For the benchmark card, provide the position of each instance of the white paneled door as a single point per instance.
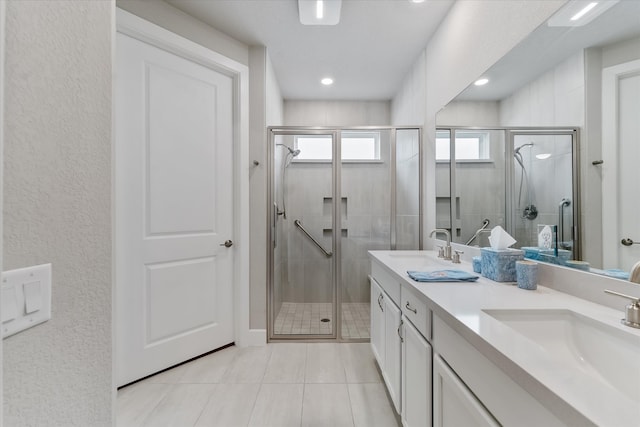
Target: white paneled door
(174, 209)
(621, 174)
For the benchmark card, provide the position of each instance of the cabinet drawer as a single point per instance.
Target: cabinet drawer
(416, 311)
(386, 281)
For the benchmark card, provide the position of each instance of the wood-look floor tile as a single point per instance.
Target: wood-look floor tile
(286, 364)
(137, 401)
(278, 405)
(230, 405)
(209, 369)
(359, 363)
(248, 365)
(182, 405)
(371, 406)
(324, 364)
(326, 405)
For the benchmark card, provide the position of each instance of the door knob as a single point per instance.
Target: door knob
(227, 244)
(629, 242)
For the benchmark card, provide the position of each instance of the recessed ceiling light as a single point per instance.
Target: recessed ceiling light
(416, 1)
(481, 82)
(319, 12)
(319, 9)
(576, 13)
(327, 81)
(584, 11)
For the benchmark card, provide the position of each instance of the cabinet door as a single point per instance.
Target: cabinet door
(393, 350)
(453, 404)
(416, 377)
(377, 322)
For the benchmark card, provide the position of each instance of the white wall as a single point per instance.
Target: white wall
(472, 37)
(555, 98)
(469, 113)
(336, 113)
(57, 208)
(265, 110)
(175, 20)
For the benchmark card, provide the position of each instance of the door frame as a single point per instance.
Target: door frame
(145, 31)
(610, 78)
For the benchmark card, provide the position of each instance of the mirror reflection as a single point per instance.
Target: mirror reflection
(561, 114)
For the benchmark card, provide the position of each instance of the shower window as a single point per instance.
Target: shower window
(356, 146)
(474, 146)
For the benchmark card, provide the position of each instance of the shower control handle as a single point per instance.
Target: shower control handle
(227, 244)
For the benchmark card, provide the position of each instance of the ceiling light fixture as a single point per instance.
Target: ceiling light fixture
(327, 81)
(579, 12)
(319, 9)
(481, 82)
(584, 11)
(543, 156)
(416, 1)
(319, 12)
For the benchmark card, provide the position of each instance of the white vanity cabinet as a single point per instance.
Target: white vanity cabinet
(399, 323)
(385, 331)
(416, 377)
(453, 404)
(377, 322)
(465, 378)
(393, 350)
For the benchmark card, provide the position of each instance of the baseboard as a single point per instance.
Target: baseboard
(253, 338)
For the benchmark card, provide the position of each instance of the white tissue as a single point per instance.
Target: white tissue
(500, 239)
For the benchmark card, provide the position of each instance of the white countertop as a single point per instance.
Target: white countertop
(529, 364)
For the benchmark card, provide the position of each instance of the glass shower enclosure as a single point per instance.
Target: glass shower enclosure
(333, 195)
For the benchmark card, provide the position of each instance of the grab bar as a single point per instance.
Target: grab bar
(299, 225)
(563, 203)
(485, 223)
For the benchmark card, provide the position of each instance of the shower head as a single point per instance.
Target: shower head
(293, 152)
(517, 150)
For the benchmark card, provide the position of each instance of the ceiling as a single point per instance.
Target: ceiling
(548, 46)
(367, 54)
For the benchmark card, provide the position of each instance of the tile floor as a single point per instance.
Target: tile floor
(280, 385)
(305, 318)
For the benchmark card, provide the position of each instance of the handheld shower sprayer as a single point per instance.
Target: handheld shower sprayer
(288, 157)
(530, 211)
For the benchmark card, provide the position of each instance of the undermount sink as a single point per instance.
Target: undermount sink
(607, 353)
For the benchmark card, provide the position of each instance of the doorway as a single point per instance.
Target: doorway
(334, 194)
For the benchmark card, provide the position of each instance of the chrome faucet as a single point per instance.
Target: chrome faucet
(447, 248)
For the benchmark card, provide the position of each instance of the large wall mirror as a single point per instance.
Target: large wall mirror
(553, 138)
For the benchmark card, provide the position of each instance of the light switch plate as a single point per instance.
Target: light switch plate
(28, 292)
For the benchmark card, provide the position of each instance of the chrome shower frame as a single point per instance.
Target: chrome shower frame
(510, 134)
(336, 249)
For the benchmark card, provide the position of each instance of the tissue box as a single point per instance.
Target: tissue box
(500, 264)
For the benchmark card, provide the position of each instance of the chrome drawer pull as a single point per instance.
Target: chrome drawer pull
(415, 310)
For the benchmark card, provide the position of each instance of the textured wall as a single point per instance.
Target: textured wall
(57, 208)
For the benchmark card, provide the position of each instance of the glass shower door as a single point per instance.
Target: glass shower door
(545, 190)
(303, 293)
